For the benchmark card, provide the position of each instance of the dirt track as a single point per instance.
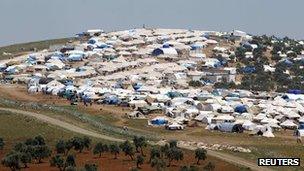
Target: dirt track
(61, 124)
(237, 160)
(70, 127)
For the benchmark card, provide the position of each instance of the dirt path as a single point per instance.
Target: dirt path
(61, 124)
(70, 127)
(232, 159)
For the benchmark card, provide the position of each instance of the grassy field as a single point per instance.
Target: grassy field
(71, 114)
(19, 49)
(16, 128)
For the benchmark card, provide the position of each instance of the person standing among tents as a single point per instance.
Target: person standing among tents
(298, 136)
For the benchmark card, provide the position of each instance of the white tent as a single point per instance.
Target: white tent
(268, 134)
(225, 118)
(138, 103)
(175, 126)
(211, 126)
(247, 116)
(227, 109)
(269, 120)
(33, 89)
(288, 124)
(210, 41)
(261, 128)
(260, 117)
(54, 87)
(292, 115)
(273, 125)
(301, 120)
(248, 125)
(204, 117)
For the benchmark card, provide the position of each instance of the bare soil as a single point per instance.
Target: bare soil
(108, 163)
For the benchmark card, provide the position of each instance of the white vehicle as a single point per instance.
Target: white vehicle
(175, 126)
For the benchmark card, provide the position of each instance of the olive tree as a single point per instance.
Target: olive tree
(12, 160)
(1, 143)
(209, 167)
(200, 154)
(140, 143)
(158, 163)
(60, 147)
(63, 164)
(57, 161)
(128, 149)
(174, 154)
(90, 167)
(40, 152)
(139, 160)
(154, 153)
(25, 153)
(114, 149)
(100, 148)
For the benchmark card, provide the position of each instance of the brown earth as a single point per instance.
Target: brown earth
(108, 163)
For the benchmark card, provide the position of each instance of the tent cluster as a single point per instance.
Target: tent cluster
(150, 70)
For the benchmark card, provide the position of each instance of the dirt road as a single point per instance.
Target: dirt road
(61, 124)
(232, 159)
(70, 127)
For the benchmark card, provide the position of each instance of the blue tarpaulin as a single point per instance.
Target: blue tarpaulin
(248, 69)
(206, 35)
(159, 121)
(137, 86)
(86, 99)
(217, 92)
(31, 59)
(288, 62)
(233, 94)
(173, 94)
(196, 46)
(58, 55)
(112, 100)
(157, 52)
(92, 41)
(240, 109)
(301, 126)
(295, 91)
(166, 45)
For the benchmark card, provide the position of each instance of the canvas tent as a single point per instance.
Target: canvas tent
(268, 133)
(248, 125)
(230, 127)
(167, 51)
(174, 126)
(223, 118)
(289, 124)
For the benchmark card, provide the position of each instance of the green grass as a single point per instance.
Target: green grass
(142, 124)
(101, 124)
(14, 128)
(273, 151)
(101, 117)
(18, 49)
